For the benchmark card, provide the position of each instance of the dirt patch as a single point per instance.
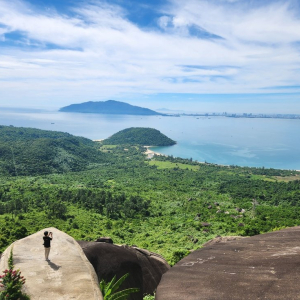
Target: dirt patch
(287, 178)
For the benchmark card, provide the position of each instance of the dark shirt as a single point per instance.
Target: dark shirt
(47, 240)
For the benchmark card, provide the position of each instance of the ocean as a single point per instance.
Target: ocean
(269, 143)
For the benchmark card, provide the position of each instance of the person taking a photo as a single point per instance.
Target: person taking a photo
(47, 240)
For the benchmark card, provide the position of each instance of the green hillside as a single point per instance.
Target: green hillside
(28, 151)
(139, 136)
(167, 205)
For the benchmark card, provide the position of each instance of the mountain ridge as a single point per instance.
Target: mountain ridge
(108, 107)
(30, 151)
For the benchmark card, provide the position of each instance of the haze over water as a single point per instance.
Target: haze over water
(272, 143)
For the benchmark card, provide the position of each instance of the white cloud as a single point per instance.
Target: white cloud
(164, 22)
(100, 54)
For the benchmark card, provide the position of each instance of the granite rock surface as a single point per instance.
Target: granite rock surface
(265, 266)
(68, 274)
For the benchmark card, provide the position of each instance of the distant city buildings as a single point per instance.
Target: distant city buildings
(240, 115)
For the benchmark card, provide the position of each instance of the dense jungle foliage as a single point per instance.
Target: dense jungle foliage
(139, 136)
(28, 151)
(167, 205)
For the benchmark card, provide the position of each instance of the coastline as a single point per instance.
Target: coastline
(150, 153)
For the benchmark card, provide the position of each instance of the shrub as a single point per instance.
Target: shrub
(178, 255)
(149, 297)
(12, 283)
(109, 290)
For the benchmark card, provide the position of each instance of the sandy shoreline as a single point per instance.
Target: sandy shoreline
(151, 153)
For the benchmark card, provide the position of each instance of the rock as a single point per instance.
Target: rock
(105, 239)
(241, 225)
(216, 204)
(209, 207)
(204, 224)
(265, 266)
(221, 239)
(145, 267)
(68, 274)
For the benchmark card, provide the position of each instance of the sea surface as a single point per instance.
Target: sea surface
(270, 143)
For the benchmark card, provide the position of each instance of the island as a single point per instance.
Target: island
(109, 107)
(139, 136)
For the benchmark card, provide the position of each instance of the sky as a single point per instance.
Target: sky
(192, 55)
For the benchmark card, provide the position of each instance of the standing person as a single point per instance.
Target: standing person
(47, 239)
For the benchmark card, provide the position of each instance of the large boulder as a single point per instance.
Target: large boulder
(145, 268)
(265, 266)
(68, 274)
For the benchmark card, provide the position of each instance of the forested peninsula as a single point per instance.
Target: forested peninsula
(109, 107)
(139, 136)
(168, 205)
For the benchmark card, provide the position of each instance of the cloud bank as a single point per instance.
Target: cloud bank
(96, 51)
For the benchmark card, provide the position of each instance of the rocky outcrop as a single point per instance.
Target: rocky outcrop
(265, 266)
(145, 268)
(68, 274)
(105, 239)
(222, 239)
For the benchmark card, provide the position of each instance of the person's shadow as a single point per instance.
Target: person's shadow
(53, 265)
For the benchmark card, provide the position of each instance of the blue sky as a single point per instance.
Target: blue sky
(194, 55)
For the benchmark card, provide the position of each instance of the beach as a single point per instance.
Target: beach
(150, 153)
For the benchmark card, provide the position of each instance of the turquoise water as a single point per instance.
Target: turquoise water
(272, 143)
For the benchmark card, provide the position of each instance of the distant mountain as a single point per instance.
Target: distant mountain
(108, 107)
(139, 136)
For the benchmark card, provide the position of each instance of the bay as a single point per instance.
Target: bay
(270, 143)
